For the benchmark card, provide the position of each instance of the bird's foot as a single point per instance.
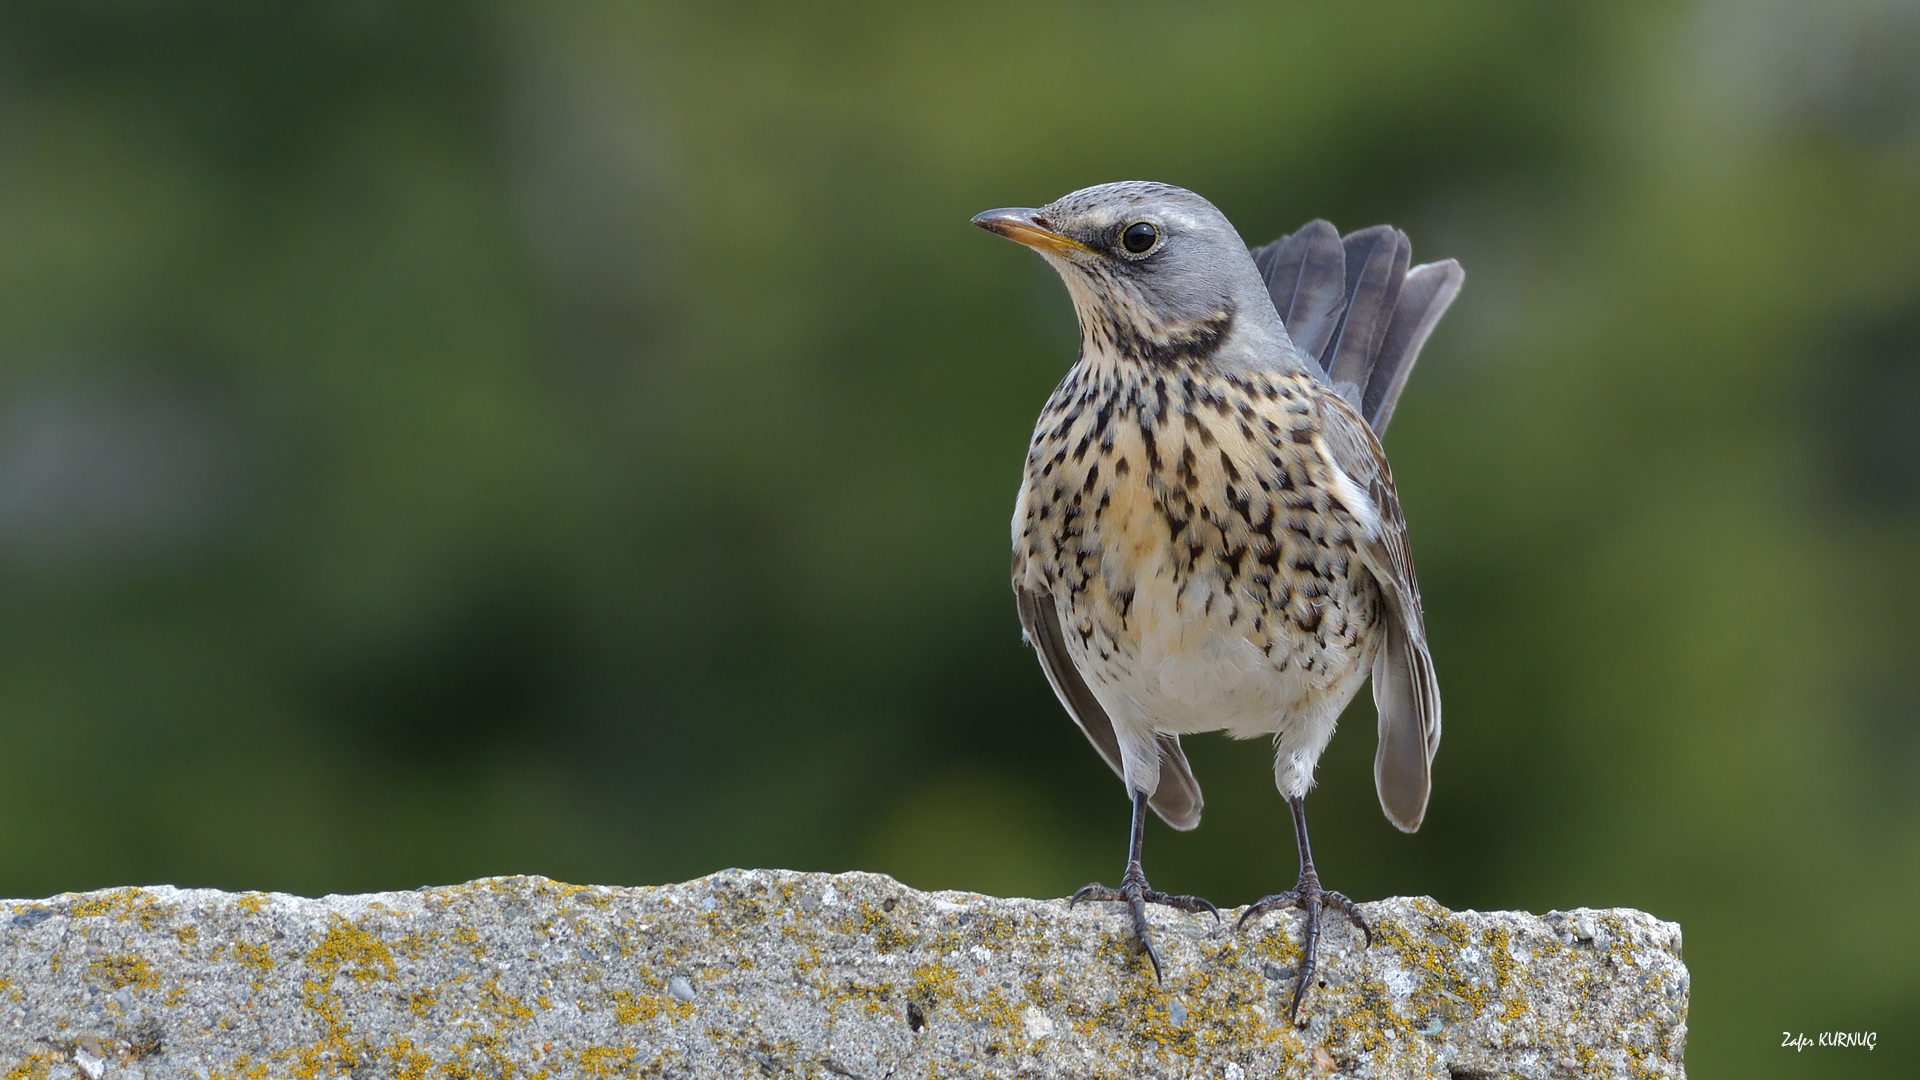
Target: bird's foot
(1309, 897)
(1134, 892)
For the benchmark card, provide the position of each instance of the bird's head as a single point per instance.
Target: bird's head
(1156, 272)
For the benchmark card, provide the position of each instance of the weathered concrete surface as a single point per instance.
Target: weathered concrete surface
(774, 974)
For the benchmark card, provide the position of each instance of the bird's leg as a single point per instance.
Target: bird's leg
(1133, 889)
(1308, 896)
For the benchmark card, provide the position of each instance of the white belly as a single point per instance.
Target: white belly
(1184, 670)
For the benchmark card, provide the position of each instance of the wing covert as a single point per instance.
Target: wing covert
(1406, 691)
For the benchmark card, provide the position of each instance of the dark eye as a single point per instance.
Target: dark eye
(1139, 237)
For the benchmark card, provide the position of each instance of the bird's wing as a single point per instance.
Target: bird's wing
(1306, 274)
(1406, 692)
(1355, 307)
(1177, 799)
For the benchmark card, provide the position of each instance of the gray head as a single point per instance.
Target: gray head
(1156, 274)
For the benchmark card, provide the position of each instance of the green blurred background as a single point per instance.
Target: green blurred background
(441, 439)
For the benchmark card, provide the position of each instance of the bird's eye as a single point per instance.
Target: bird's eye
(1139, 237)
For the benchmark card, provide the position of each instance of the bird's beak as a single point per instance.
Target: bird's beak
(1021, 226)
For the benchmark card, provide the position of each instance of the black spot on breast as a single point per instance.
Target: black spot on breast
(1241, 506)
(1264, 523)
(1176, 524)
(1231, 559)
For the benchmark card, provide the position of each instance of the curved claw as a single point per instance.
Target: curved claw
(1146, 945)
(1134, 893)
(1192, 905)
(1353, 913)
(1310, 898)
(1265, 904)
(1086, 892)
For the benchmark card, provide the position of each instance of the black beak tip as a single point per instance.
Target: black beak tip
(998, 220)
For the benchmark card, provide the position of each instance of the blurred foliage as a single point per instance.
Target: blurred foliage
(442, 439)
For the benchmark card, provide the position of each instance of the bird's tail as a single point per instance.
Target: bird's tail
(1355, 306)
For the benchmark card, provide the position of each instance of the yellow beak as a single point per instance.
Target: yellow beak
(1018, 225)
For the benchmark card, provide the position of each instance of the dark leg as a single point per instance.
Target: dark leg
(1133, 888)
(1308, 896)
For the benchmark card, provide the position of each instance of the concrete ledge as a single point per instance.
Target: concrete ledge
(751, 973)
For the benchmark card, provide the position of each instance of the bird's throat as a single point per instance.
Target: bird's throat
(1126, 337)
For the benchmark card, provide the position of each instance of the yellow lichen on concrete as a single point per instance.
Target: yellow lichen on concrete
(351, 951)
(257, 957)
(31, 1067)
(406, 1062)
(640, 1008)
(605, 1060)
(114, 972)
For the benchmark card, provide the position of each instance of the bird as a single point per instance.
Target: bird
(1207, 536)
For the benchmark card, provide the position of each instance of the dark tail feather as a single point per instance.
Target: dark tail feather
(1306, 274)
(1428, 291)
(1356, 308)
(1376, 266)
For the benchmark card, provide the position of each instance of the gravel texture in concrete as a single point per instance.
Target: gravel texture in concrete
(757, 973)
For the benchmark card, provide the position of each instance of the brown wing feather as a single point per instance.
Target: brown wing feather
(1406, 691)
(1177, 800)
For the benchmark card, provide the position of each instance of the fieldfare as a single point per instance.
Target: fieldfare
(1207, 537)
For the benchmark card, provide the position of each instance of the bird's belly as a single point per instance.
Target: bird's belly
(1187, 659)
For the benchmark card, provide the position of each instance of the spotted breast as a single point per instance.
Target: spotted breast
(1201, 545)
